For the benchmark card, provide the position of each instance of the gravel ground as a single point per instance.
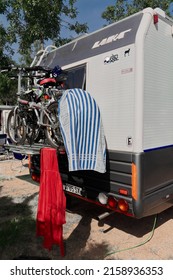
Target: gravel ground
(116, 237)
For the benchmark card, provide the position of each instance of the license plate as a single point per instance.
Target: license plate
(72, 189)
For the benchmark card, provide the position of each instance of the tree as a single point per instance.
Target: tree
(35, 20)
(3, 36)
(8, 89)
(7, 86)
(30, 24)
(124, 8)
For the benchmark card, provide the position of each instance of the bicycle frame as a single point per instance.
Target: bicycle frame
(43, 111)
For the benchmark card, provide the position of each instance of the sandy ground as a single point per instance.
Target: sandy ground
(116, 237)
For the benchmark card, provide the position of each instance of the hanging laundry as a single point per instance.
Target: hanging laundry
(51, 202)
(82, 131)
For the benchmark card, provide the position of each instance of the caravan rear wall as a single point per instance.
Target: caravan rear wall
(127, 67)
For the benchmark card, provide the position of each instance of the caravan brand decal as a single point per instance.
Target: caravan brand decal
(111, 59)
(110, 39)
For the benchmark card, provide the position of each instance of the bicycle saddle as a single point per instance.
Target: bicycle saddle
(47, 82)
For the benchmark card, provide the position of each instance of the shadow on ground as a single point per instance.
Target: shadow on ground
(135, 227)
(18, 235)
(18, 230)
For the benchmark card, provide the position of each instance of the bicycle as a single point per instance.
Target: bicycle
(35, 116)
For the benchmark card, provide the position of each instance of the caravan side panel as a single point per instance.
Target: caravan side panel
(158, 86)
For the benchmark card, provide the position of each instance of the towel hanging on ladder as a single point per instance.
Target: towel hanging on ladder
(82, 131)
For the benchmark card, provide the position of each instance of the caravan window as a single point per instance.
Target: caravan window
(76, 77)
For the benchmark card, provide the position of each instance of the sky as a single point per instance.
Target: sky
(90, 11)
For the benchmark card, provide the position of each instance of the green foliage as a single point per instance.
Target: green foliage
(33, 20)
(7, 86)
(30, 24)
(2, 6)
(124, 8)
(8, 89)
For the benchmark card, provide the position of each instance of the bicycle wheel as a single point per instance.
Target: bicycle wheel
(52, 130)
(16, 128)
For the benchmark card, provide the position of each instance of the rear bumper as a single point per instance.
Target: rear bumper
(153, 180)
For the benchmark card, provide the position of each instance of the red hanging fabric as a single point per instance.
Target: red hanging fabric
(51, 201)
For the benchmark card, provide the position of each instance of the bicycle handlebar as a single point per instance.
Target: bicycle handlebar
(28, 76)
(25, 69)
(29, 103)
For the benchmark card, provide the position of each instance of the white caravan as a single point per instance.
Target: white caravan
(128, 68)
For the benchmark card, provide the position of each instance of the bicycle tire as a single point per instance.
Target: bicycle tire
(34, 134)
(16, 131)
(53, 134)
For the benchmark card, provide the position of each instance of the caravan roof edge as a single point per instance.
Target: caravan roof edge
(98, 30)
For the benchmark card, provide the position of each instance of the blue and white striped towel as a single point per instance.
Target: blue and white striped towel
(82, 131)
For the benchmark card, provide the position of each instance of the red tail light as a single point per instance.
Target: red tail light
(112, 202)
(123, 205)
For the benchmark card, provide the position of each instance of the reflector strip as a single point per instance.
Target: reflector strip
(29, 162)
(134, 182)
(122, 191)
